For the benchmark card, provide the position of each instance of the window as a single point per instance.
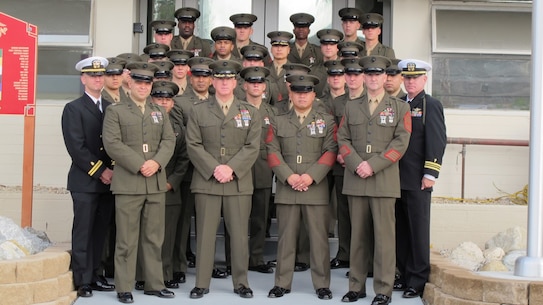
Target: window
(64, 39)
(217, 13)
(481, 56)
(320, 9)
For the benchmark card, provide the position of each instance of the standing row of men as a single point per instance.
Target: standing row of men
(225, 133)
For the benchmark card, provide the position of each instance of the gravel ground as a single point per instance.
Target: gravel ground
(508, 199)
(37, 189)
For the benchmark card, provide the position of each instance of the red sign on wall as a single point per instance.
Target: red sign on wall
(18, 53)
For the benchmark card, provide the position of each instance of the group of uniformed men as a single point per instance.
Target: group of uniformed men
(189, 127)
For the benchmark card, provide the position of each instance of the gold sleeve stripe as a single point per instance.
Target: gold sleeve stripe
(96, 166)
(432, 165)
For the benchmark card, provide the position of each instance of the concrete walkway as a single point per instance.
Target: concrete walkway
(221, 292)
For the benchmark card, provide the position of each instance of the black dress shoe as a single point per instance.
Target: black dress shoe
(191, 259)
(84, 291)
(164, 293)
(197, 293)
(347, 274)
(261, 268)
(398, 286)
(102, 285)
(298, 267)
(139, 285)
(370, 274)
(411, 292)
(179, 277)
(337, 263)
(380, 299)
(272, 263)
(324, 293)
(353, 296)
(125, 297)
(173, 284)
(219, 274)
(277, 292)
(244, 292)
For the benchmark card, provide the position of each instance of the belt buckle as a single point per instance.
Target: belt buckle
(368, 148)
(298, 159)
(145, 147)
(223, 151)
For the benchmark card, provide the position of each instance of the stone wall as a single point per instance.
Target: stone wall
(43, 278)
(452, 285)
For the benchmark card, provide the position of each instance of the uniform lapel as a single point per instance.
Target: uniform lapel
(134, 108)
(214, 108)
(417, 101)
(363, 102)
(233, 111)
(89, 104)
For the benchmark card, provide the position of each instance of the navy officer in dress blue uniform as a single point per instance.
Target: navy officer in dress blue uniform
(419, 169)
(89, 177)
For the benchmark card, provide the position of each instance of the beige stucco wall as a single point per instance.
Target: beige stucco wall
(412, 30)
(113, 33)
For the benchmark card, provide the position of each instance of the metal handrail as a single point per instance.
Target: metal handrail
(476, 141)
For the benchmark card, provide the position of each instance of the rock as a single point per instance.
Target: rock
(494, 265)
(468, 255)
(11, 250)
(510, 258)
(493, 254)
(28, 240)
(509, 240)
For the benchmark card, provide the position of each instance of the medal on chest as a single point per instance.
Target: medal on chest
(156, 116)
(238, 120)
(416, 112)
(245, 116)
(321, 124)
(387, 115)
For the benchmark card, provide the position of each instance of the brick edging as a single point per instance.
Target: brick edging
(41, 278)
(451, 284)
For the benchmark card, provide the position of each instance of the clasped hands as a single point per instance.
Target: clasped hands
(149, 168)
(106, 176)
(300, 183)
(223, 173)
(364, 170)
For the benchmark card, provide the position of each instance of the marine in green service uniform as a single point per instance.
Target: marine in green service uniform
(223, 139)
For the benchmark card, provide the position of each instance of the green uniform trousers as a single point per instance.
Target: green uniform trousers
(314, 218)
(236, 211)
(139, 219)
(372, 219)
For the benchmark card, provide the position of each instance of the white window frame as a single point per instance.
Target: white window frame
(516, 6)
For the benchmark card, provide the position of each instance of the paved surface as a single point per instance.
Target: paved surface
(221, 292)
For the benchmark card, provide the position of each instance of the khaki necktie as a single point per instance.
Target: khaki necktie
(278, 68)
(224, 109)
(301, 118)
(142, 108)
(372, 105)
(300, 52)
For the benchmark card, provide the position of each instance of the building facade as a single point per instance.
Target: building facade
(480, 51)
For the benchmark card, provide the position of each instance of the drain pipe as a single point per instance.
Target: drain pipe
(532, 264)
